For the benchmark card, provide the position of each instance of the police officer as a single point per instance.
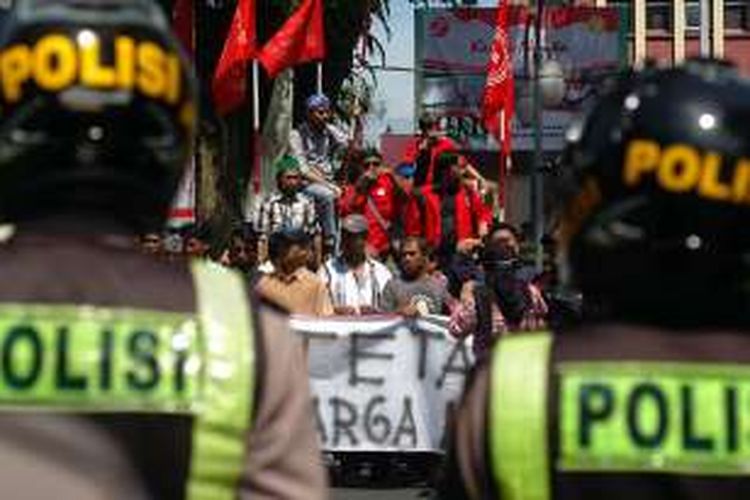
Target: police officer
(649, 397)
(122, 375)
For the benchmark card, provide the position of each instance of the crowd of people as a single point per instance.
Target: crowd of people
(344, 233)
(128, 376)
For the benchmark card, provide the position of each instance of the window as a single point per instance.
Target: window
(737, 15)
(693, 15)
(659, 16)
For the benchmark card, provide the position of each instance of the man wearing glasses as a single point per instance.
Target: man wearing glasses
(372, 195)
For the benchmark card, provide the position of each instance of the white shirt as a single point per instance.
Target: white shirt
(355, 289)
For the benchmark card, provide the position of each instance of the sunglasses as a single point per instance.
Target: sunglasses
(371, 163)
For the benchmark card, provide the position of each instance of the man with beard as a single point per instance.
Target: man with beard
(355, 281)
(415, 293)
(289, 208)
(315, 144)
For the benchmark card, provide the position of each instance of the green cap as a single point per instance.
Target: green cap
(285, 164)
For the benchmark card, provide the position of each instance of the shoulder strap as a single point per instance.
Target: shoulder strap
(518, 416)
(378, 216)
(473, 209)
(422, 207)
(220, 432)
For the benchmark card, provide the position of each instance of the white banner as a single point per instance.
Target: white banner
(383, 383)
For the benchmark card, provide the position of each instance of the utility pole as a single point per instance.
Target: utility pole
(705, 28)
(537, 186)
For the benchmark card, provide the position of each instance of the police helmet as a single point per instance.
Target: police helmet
(97, 110)
(658, 193)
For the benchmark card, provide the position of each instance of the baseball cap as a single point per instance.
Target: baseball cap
(286, 164)
(406, 170)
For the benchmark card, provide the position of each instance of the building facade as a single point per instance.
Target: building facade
(668, 31)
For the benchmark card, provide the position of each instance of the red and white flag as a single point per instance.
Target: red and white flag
(499, 94)
(498, 102)
(229, 85)
(301, 39)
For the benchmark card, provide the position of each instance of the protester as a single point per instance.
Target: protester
(197, 241)
(463, 219)
(433, 267)
(315, 144)
(151, 244)
(406, 206)
(239, 253)
(289, 208)
(415, 292)
(114, 360)
(291, 285)
(354, 280)
(506, 300)
(413, 212)
(424, 150)
(373, 194)
(642, 398)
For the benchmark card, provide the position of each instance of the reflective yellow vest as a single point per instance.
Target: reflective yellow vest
(518, 416)
(613, 416)
(88, 359)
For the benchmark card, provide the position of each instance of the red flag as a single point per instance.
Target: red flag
(499, 93)
(230, 79)
(183, 17)
(301, 39)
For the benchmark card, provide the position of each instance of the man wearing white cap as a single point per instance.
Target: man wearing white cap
(355, 280)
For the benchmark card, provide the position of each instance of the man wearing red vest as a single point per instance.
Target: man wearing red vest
(425, 149)
(373, 195)
(457, 218)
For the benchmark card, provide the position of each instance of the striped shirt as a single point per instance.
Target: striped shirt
(278, 212)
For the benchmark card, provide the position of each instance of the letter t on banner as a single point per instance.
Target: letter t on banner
(498, 102)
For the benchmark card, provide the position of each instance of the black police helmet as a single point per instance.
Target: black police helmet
(97, 107)
(659, 193)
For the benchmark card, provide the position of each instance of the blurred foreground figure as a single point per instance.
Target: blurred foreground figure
(648, 397)
(124, 376)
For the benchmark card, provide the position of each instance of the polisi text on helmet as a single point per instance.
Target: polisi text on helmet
(58, 61)
(682, 168)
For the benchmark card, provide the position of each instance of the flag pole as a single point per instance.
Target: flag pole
(256, 96)
(320, 77)
(501, 179)
(256, 174)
